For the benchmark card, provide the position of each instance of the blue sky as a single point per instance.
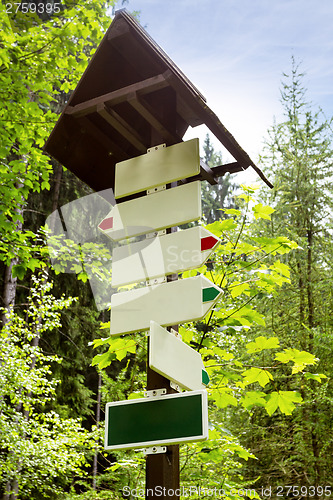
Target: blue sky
(235, 52)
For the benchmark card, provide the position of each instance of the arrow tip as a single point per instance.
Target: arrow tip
(208, 242)
(106, 224)
(205, 377)
(210, 294)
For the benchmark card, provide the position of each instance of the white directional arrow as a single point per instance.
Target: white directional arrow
(163, 166)
(161, 256)
(171, 357)
(153, 212)
(169, 303)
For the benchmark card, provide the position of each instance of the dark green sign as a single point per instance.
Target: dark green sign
(173, 418)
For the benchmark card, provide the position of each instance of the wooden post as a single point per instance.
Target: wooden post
(162, 470)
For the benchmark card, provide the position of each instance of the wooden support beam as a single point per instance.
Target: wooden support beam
(148, 113)
(230, 168)
(162, 470)
(211, 174)
(117, 96)
(118, 123)
(207, 174)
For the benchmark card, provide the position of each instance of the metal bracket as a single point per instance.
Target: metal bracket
(175, 386)
(156, 281)
(154, 450)
(156, 148)
(156, 189)
(176, 334)
(154, 393)
(156, 233)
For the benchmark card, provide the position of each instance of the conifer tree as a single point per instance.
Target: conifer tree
(221, 195)
(298, 155)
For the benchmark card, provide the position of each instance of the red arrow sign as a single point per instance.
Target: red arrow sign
(209, 242)
(168, 254)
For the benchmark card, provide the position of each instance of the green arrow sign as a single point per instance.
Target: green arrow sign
(173, 418)
(168, 304)
(205, 377)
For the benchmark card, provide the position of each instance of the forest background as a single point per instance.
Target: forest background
(267, 346)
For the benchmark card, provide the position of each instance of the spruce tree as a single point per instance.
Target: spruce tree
(298, 157)
(220, 195)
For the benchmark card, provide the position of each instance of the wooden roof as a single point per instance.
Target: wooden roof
(132, 97)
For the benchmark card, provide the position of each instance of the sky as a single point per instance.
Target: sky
(236, 51)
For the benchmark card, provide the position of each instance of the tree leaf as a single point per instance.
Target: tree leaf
(257, 375)
(227, 224)
(261, 343)
(284, 400)
(18, 271)
(102, 341)
(281, 268)
(300, 358)
(103, 360)
(253, 398)
(223, 399)
(238, 288)
(314, 376)
(231, 211)
(262, 212)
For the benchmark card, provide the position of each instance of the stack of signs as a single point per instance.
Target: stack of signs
(137, 423)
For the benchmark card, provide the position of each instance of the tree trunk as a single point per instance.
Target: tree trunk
(56, 188)
(309, 285)
(98, 420)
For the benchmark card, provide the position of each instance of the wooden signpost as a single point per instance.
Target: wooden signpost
(122, 129)
(171, 418)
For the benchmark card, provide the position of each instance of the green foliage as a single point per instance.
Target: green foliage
(298, 160)
(284, 400)
(214, 464)
(39, 449)
(244, 374)
(262, 212)
(261, 343)
(40, 60)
